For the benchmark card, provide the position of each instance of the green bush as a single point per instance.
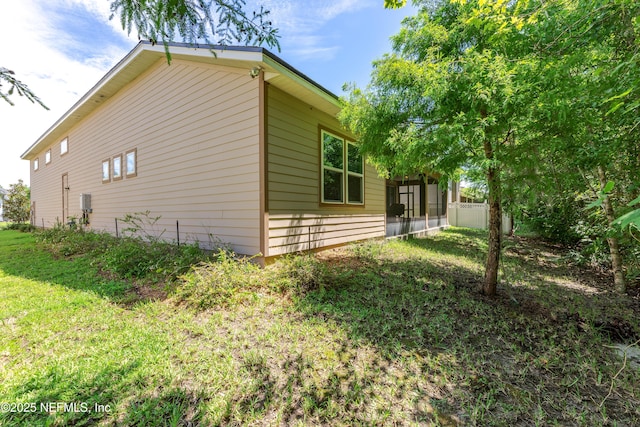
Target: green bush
(367, 251)
(223, 282)
(555, 222)
(131, 257)
(64, 241)
(127, 257)
(230, 280)
(296, 274)
(25, 227)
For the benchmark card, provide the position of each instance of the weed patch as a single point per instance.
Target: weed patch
(225, 281)
(125, 257)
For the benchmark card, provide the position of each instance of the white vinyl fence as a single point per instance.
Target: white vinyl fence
(474, 215)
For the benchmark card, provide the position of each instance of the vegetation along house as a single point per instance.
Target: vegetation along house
(236, 146)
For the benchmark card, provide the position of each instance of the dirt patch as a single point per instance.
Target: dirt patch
(150, 291)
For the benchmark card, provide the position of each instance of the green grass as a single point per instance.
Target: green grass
(375, 334)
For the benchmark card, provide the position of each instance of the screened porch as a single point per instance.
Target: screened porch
(415, 204)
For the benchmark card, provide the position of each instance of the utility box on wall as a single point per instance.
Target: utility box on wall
(85, 202)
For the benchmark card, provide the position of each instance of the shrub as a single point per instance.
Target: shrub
(297, 274)
(127, 257)
(367, 251)
(225, 281)
(230, 280)
(17, 205)
(555, 222)
(25, 227)
(131, 257)
(64, 241)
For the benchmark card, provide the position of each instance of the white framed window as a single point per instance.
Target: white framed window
(47, 157)
(342, 175)
(64, 146)
(106, 171)
(131, 165)
(36, 164)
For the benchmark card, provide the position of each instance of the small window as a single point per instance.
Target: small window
(342, 171)
(106, 170)
(64, 146)
(117, 167)
(47, 157)
(36, 164)
(131, 167)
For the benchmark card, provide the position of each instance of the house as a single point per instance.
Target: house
(229, 144)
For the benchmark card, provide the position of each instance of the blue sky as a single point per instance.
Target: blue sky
(61, 48)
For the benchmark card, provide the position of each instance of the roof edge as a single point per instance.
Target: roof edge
(147, 45)
(130, 55)
(257, 49)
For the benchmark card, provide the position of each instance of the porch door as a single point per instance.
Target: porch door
(65, 197)
(410, 198)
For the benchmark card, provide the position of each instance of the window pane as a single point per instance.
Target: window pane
(355, 158)
(355, 189)
(64, 147)
(332, 151)
(105, 171)
(117, 167)
(35, 164)
(332, 186)
(131, 163)
(47, 156)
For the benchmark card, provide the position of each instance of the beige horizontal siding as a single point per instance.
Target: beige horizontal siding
(300, 233)
(195, 127)
(46, 189)
(293, 169)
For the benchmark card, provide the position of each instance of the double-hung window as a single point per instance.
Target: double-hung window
(342, 171)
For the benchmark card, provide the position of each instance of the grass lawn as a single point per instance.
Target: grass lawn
(394, 334)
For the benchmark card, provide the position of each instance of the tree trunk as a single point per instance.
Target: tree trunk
(490, 284)
(614, 247)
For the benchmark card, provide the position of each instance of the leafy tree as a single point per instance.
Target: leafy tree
(586, 60)
(450, 95)
(17, 205)
(224, 21)
(539, 97)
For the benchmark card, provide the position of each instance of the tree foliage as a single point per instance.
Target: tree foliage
(538, 97)
(7, 77)
(586, 55)
(449, 96)
(219, 21)
(17, 205)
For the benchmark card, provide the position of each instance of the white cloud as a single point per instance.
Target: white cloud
(36, 47)
(303, 24)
